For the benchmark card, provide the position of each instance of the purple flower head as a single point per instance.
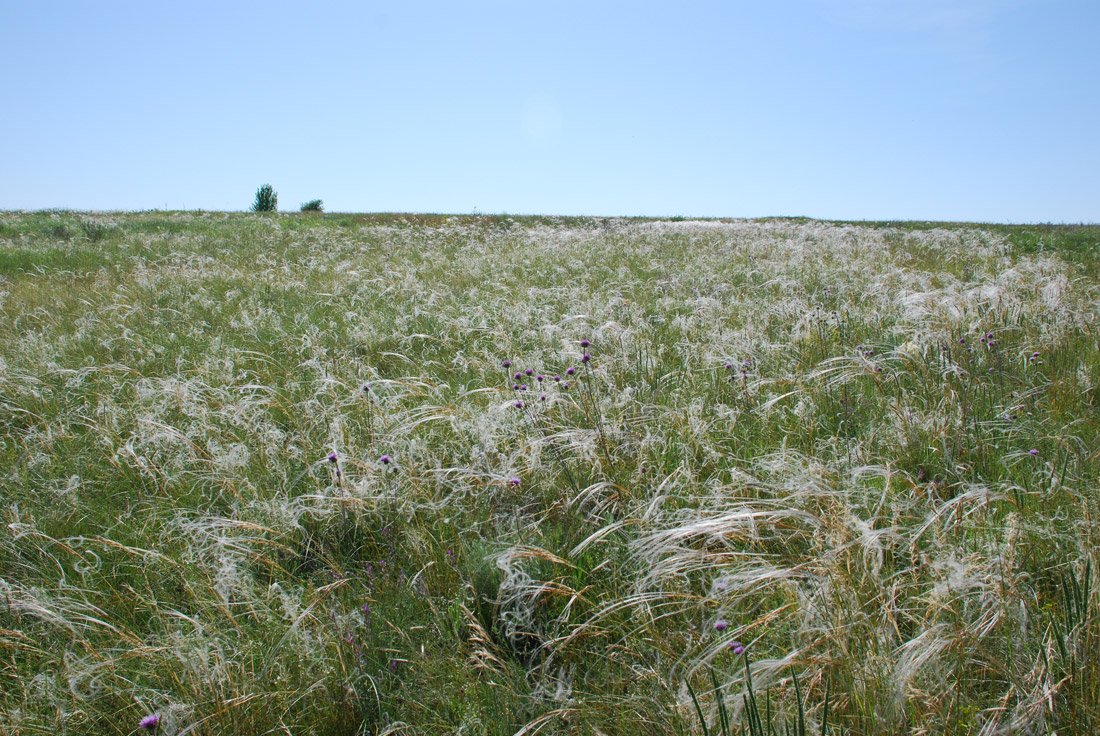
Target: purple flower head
(385, 459)
(585, 343)
(1035, 354)
(721, 625)
(557, 378)
(1033, 452)
(989, 335)
(529, 372)
(570, 371)
(735, 647)
(523, 387)
(586, 357)
(506, 363)
(517, 375)
(515, 387)
(540, 378)
(332, 458)
(542, 397)
(565, 387)
(393, 666)
(149, 722)
(962, 340)
(514, 481)
(729, 366)
(366, 388)
(519, 404)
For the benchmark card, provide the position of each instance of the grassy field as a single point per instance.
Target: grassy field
(359, 474)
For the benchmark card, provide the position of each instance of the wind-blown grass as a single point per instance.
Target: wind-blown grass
(266, 474)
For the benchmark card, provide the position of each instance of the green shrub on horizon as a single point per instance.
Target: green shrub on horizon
(267, 199)
(313, 205)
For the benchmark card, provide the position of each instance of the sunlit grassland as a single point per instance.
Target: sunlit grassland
(267, 474)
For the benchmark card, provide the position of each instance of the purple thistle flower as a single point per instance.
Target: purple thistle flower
(506, 363)
(557, 378)
(721, 625)
(149, 722)
(523, 387)
(529, 372)
(586, 357)
(514, 481)
(515, 387)
(585, 343)
(385, 459)
(570, 371)
(540, 378)
(366, 388)
(565, 387)
(729, 366)
(1035, 354)
(393, 666)
(517, 375)
(1033, 452)
(542, 397)
(332, 458)
(735, 647)
(519, 404)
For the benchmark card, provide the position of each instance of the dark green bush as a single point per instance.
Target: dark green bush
(267, 199)
(313, 205)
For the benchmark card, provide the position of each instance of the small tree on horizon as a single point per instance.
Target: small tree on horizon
(313, 205)
(267, 199)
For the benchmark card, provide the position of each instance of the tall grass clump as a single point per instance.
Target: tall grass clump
(430, 474)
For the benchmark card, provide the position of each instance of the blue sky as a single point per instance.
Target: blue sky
(980, 110)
